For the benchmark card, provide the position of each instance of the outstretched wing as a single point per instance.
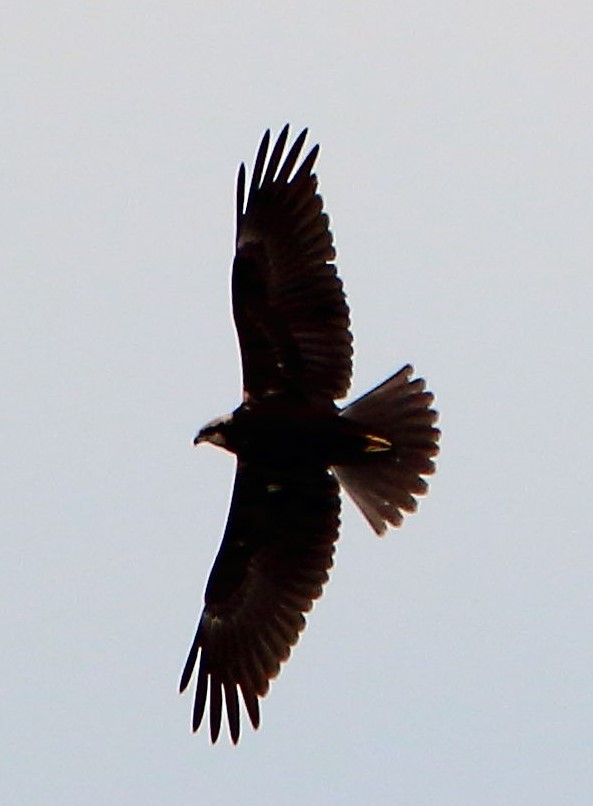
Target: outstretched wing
(274, 559)
(289, 307)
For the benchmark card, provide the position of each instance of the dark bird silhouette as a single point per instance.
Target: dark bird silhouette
(294, 446)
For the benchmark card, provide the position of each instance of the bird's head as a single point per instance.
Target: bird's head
(216, 432)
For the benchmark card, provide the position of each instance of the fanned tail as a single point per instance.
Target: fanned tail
(385, 483)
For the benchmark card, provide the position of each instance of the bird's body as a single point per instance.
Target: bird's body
(294, 446)
(278, 430)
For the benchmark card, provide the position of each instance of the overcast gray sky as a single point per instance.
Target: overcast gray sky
(448, 663)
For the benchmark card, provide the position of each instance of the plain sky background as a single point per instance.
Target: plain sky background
(450, 663)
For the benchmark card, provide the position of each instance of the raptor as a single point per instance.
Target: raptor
(294, 447)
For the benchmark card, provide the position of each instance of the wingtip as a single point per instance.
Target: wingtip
(186, 675)
(301, 136)
(300, 139)
(240, 197)
(258, 166)
(190, 663)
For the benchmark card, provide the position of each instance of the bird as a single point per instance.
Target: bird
(295, 447)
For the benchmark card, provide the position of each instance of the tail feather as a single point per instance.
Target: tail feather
(384, 484)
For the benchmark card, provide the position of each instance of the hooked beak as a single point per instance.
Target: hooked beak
(199, 438)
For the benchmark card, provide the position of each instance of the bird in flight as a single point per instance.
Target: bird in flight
(295, 448)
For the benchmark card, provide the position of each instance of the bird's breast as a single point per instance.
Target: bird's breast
(298, 436)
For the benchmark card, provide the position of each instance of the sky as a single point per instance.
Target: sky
(450, 662)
